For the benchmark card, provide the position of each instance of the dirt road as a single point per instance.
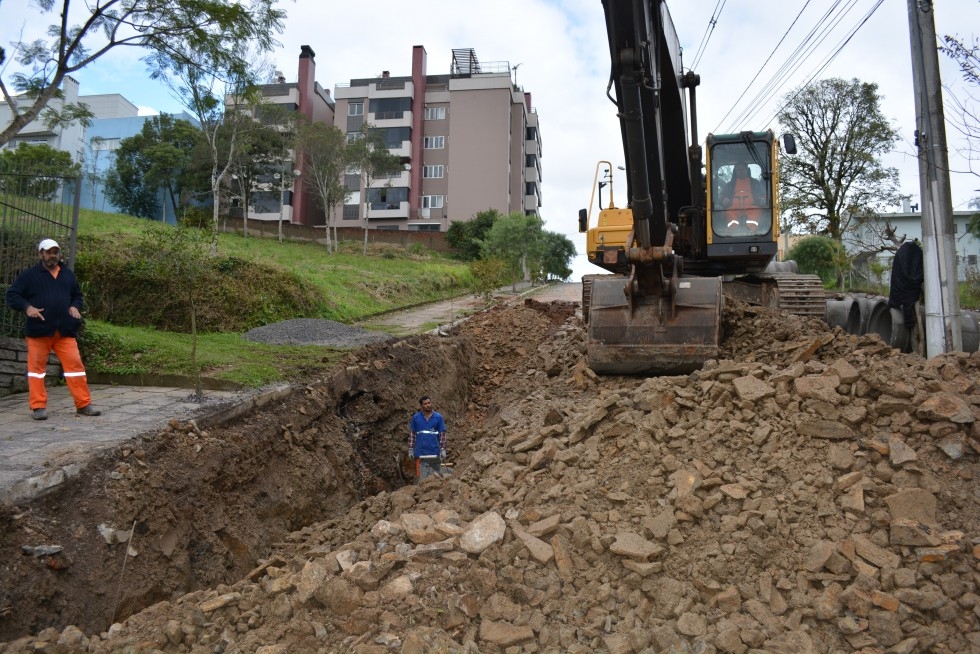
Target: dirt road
(442, 315)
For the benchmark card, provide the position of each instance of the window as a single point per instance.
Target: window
(387, 198)
(432, 201)
(388, 108)
(352, 182)
(531, 134)
(387, 228)
(351, 211)
(435, 113)
(433, 171)
(434, 227)
(355, 109)
(394, 137)
(353, 136)
(434, 142)
(531, 160)
(971, 260)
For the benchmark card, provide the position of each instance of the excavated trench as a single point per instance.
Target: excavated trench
(205, 507)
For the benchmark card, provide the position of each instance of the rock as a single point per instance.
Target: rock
(502, 634)
(219, 602)
(635, 546)
(752, 389)
(540, 550)
(692, 624)
(913, 504)
(482, 532)
(946, 406)
(873, 554)
(818, 388)
(899, 452)
(828, 429)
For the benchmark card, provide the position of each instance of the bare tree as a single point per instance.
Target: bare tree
(964, 106)
(325, 151)
(376, 162)
(222, 101)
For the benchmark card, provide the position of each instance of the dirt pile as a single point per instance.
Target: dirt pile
(810, 492)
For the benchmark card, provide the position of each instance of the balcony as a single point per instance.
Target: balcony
(531, 202)
(405, 150)
(382, 120)
(531, 174)
(403, 178)
(392, 210)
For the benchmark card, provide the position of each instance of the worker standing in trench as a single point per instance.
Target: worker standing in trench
(427, 439)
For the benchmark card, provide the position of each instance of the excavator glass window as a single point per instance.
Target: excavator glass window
(741, 189)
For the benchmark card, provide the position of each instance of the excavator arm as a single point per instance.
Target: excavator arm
(648, 319)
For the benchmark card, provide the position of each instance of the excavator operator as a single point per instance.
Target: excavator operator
(743, 198)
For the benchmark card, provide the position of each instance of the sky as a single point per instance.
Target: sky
(559, 53)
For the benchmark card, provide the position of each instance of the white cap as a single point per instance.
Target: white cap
(47, 244)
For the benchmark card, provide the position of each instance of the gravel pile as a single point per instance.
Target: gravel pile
(314, 331)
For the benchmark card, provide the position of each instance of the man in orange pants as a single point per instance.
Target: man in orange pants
(49, 294)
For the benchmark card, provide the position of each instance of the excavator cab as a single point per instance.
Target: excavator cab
(742, 200)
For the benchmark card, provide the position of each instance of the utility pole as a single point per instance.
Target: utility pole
(942, 325)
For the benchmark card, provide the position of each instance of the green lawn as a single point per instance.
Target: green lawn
(353, 287)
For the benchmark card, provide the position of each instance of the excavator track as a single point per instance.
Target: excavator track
(801, 295)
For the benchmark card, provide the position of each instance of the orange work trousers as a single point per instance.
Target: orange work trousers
(66, 349)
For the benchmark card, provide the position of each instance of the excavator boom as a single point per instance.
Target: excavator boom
(648, 318)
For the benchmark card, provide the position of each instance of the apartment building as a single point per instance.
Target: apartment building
(468, 140)
(284, 188)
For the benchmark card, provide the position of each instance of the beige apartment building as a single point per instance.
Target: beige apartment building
(468, 140)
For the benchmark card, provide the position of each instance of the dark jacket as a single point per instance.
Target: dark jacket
(36, 287)
(907, 275)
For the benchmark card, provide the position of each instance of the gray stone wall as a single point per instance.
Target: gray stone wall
(13, 367)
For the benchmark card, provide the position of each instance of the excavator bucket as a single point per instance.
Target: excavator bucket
(654, 335)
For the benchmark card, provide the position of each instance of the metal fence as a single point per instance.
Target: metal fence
(34, 204)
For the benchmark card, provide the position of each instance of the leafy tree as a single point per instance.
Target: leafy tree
(557, 250)
(488, 274)
(203, 34)
(465, 236)
(819, 255)
(46, 166)
(375, 161)
(836, 178)
(159, 157)
(324, 149)
(516, 240)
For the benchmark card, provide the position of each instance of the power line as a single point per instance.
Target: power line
(819, 33)
(708, 32)
(823, 66)
(761, 68)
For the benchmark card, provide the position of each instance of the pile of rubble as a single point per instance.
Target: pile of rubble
(810, 492)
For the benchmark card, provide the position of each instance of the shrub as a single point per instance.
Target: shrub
(819, 255)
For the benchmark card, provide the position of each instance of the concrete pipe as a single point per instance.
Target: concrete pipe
(868, 305)
(970, 329)
(843, 313)
(890, 326)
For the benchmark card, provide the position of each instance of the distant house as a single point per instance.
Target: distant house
(908, 224)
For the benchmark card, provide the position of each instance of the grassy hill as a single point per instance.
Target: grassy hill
(138, 318)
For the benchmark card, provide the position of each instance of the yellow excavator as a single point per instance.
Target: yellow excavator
(685, 238)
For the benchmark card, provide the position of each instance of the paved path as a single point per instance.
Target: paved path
(38, 455)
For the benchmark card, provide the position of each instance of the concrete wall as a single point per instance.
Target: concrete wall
(13, 367)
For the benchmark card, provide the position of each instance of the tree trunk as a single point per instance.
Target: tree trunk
(19, 121)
